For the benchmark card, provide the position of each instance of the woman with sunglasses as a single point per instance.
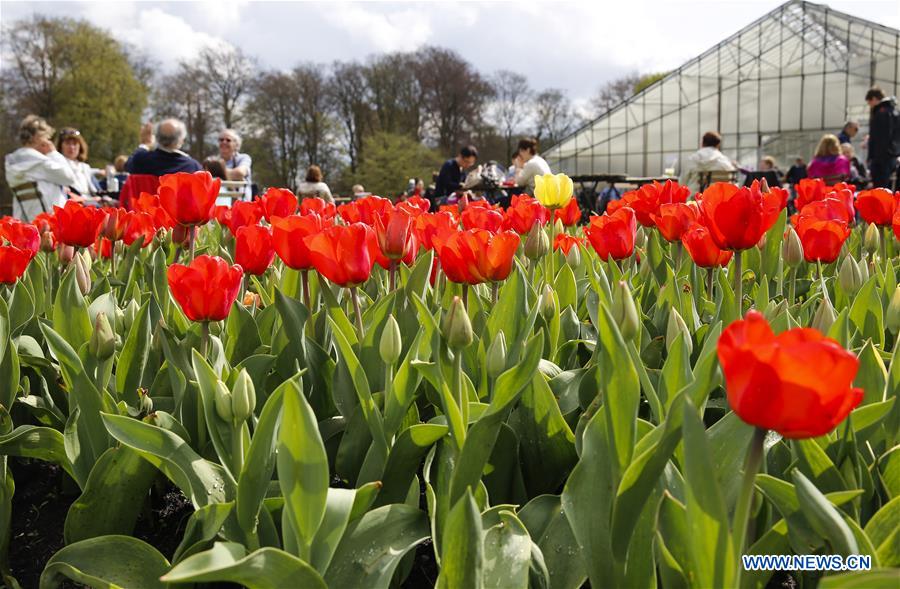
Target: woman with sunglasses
(74, 148)
(237, 164)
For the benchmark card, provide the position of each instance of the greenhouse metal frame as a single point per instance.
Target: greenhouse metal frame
(772, 88)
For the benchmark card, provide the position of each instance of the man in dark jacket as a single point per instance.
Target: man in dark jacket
(884, 137)
(166, 158)
(451, 176)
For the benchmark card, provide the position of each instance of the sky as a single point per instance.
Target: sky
(575, 46)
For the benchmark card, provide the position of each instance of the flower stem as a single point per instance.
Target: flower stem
(495, 291)
(793, 288)
(742, 507)
(359, 322)
(551, 275)
(204, 338)
(237, 449)
(392, 284)
(192, 238)
(304, 280)
(739, 282)
(465, 295)
(461, 396)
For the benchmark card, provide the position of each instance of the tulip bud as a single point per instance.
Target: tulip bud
(825, 316)
(849, 277)
(496, 355)
(537, 244)
(892, 317)
(102, 344)
(129, 314)
(863, 271)
(677, 326)
(82, 274)
(243, 398)
(573, 258)
(872, 239)
(457, 328)
(391, 344)
(558, 227)
(46, 242)
(640, 237)
(548, 303)
(66, 254)
(791, 248)
(624, 311)
(223, 402)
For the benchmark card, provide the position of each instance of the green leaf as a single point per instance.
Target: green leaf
(113, 497)
(884, 532)
(107, 562)
(70, 312)
(202, 527)
(267, 568)
(241, 334)
(867, 314)
(42, 443)
(462, 546)
(338, 508)
(511, 307)
(133, 359)
(553, 538)
(822, 516)
(202, 481)
(817, 466)
(507, 553)
(405, 458)
(705, 508)
(874, 579)
(374, 545)
(302, 470)
(220, 431)
(872, 375)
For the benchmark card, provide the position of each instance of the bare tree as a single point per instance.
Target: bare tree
(348, 98)
(315, 124)
(227, 72)
(37, 56)
(184, 95)
(275, 109)
(395, 95)
(455, 95)
(614, 92)
(553, 116)
(511, 94)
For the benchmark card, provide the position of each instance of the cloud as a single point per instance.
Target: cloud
(381, 31)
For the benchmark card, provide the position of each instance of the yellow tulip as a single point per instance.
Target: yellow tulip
(553, 191)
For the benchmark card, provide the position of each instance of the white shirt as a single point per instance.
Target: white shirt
(83, 174)
(706, 159)
(536, 166)
(314, 189)
(52, 173)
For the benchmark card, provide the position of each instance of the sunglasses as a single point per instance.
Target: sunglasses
(224, 140)
(70, 133)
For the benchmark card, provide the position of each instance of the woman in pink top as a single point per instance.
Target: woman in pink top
(828, 161)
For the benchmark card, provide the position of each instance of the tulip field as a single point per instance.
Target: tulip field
(384, 395)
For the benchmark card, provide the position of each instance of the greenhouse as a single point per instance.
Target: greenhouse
(772, 88)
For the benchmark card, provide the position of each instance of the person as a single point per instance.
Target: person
(796, 172)
(237, 164)
(529, 164)
(859, 175)
(358, 191)
(119, 167)
(216, 167)
(828, 161)
(851, 128)
(166, 157)
(709, 158)
(313, 186)
(884, 137)
(38, 161)
(72, 145)
(450, 178)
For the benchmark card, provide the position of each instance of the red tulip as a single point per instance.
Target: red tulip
(813, 189)
(564, 242)
(13, 262)
(113, 227)
(103, 247)
(76, 224)
(21, 235)
(278, 202)
(244, 213)
(343, 253)
(798, 383)
(289, 238)
(738, 217)
(476, 255)
(149, 203)
(827, 209)
(896, 223)
(673, 219)
(612, 235)
(324, 209)
(569, 214)
(481, 216)
(646, 200)
(822, 240)
(433, 229)
(44, 222)
(189, 198)
(206, 289)
(415, 205)
(140, 226)
(523, 212)
(253, 249)
(877, 205)
(364, 210)
(395, 235)
(702, 249)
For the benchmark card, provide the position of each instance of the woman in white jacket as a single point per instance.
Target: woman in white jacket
(38, 161)
(74, 148)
